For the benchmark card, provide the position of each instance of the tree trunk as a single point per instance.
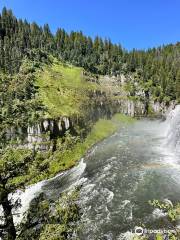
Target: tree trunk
(10, 229)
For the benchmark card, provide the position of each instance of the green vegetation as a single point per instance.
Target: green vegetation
(72, 148)
(56, 221)
(65, 218)
(173, 214)
(68, 158)
(154, 73)
(124, 119)
(14, 167)
(157, 66)
(19, 106)
(62, 89)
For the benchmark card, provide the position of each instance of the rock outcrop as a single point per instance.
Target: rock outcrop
(40, 135)
(104, 101)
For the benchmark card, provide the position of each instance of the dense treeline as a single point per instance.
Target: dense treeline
(18, 37)
(158, 71)
(159, 67)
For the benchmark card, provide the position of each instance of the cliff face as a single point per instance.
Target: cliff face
(162, 108)
(42, 134)
(107, 98)
(75, 101)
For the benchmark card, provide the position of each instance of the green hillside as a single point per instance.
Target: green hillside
(62, 89)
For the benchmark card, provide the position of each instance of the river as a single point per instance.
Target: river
(122, 174)
(118, 177)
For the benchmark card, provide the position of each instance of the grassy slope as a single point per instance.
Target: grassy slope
(62, 89)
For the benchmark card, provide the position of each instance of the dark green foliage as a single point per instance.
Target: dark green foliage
(19, 38)
(14, 165)
(159, 70)
(178, 85)
(52, 220)
(18, 103)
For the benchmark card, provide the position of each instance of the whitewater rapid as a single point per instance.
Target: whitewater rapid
(51, 188)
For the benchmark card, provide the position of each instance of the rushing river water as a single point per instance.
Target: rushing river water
(140, 162)
(122, 174)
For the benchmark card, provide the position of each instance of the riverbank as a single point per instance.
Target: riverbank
(73, 149)
(57, 173)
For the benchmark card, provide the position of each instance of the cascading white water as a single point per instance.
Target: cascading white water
(173, 132)
(51, 187)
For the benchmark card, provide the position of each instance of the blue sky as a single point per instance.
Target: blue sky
(133, 23)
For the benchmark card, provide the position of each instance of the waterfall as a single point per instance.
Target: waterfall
(173, 129)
